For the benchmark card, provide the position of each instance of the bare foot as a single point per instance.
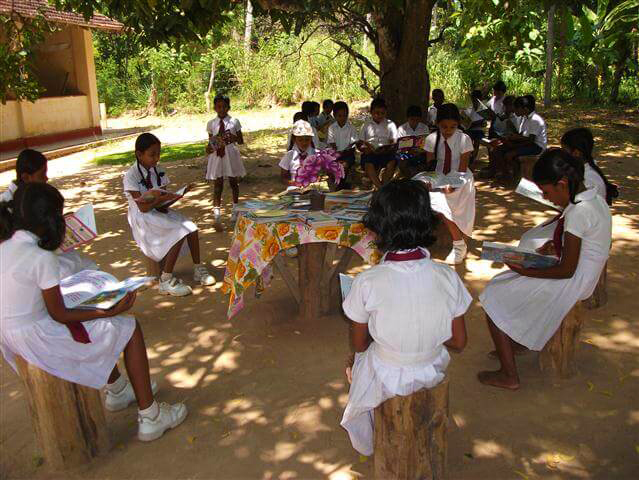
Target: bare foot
(516, 350)
(498, 379)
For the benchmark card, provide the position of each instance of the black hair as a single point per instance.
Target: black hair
(448, 111)
(340, 106)
(146, 141)
(327, 103)
(378, 102)
(500, 86)
(555, 164)
(529, 101)
(476, 94)
(29, 161)
(220, 97)
(37, 208)
(316, 107)
(401, 217)
(414, 111)
(308, 107)
(509, 99)
(581, 139)
(437, 90)
(299, 116)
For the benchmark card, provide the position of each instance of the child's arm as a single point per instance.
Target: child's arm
(457, 342)
(285, 176)
(61, 314)
(566, 266)
(158, 199)
(209, 148)
(239, 138)
(464, 158)
(360, 337)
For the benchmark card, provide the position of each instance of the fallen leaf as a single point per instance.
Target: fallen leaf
(363, 459)
(591, 386)
(190, 439)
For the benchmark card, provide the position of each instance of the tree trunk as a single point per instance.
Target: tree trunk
(207, 94)
(402, 48)
(558, 355)
(248, 26)
(152, 103)
(562, 50)
(620, 66)
(550, 41)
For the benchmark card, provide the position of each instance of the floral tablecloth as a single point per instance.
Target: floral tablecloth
(255, 245)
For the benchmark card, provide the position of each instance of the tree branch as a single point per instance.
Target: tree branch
(351, 51)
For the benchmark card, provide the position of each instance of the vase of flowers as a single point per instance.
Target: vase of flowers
(310, 172)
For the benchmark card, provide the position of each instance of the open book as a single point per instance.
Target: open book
(498, 252)
(149, 196)
(531, 190)
(345, 284)
(414, 141)
(81, 228)
(439, 180)
(93, 289)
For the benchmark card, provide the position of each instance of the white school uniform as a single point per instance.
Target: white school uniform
(432, 115)
(378, 134)
(471, 113)
(594, 180)
(496, 105)
(27, 329)
(405, 130)
(530, 310)
(323, 119)
(154, 232)
(342, 137)
(230, 165)
(409, 308)
(533, 124)
(70, 262)
(291, 160)
(459, 205)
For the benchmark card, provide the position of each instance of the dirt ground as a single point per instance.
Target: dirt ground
(266, 392)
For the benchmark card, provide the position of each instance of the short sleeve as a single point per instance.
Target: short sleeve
(237, 125)
(47, 270)
(401, 132)
(392, 130)
(355, 303)
(354, 136)
(362, 133)
(465, 144)
(534, 127)
(577, 220)
(209, 127)
(429, 143)
(164, 178)
(131, 183)
(330, 135)
(464, 299)
(285, 163)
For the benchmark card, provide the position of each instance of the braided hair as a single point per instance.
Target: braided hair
(555, 164)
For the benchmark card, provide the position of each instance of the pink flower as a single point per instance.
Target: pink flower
(324, 161)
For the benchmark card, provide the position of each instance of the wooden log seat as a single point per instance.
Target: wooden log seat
(558, 355)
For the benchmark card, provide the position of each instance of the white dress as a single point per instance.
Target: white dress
(230, 165)
(291, 160)
(153, 231)
(594, 180)
(70, 262)
(27, 330)
(409, 307)
(459, 205)
(530, 310)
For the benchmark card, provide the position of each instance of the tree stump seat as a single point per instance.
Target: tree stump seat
(411, 435)
(558, 355)
(153, 268)
(68, 419)
(600, 296)
(526, 164)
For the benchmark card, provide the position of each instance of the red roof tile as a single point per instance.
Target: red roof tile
(31, 8)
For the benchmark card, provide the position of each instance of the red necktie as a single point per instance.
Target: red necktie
(405, 257)
(557, 236)
(221, 146)
(78, 332)
(448, 157)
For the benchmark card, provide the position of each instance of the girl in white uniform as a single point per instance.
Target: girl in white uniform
(452, 148)
(404, 312)
(225, 134)
(302, 138)
(159, 231)
(80, 346)
(31, 167)
(527, 305)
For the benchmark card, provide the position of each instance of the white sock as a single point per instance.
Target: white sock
(216, 211)
(165, 277)
(152, 412)
(118, 385)
(459, 243)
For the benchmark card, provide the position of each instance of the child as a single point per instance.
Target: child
(579, 142)
(451, 148)
(411, 162)
(79, 346)
(476, 124)
(506, 123)
(405, 312)
(159, 231)
(301, 116)
(325, 119)
(377, 144)
(527, 305)
(31, 167)
(302, 136)
(225, 133)
(438, 101)
(342, 137)
(496, 106)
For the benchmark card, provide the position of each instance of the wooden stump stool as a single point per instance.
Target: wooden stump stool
(600, 296)
(68, 419)
(526, 164)
(153, 268)
(443, 241)
(558, 355)
(411, 435)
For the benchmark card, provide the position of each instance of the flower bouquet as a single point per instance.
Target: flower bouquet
(314, 166)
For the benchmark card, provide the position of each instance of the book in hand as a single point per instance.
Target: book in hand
(410, 142)
(345, 284)
(439, 180)
(498, 252)
(150, 195)
(531, 190)
(93, 289)
(81, 228)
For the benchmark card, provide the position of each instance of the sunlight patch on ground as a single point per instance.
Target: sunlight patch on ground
(182, 378)
(490, 449)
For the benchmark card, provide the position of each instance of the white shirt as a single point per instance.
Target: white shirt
(496, 105)
(589, 219)
(459, 144)
(474, 117)
(432, 115)
(323, 119)
(406, 130)
(593, 180)
(133, 178)
(291, 160)
(409, 306)
(25, 270)
(7, 195)
(231, 125)
(342, 137)
(378, 134)
(533, 124)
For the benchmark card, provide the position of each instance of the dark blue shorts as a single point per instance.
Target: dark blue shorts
(526, 150)
(379, 160)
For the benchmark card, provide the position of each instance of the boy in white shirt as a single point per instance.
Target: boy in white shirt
(438, 100)
(475, 129)
(377, 144)
(414, 160)
(496, 106)
(342, 137)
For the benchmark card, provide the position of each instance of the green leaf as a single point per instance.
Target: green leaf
(533, 34)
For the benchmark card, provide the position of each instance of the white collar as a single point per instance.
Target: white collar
(26, 236)
(347, 124)
(587, 194)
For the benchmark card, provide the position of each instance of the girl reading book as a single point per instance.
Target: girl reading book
(405, 312)
(158, 230)
(525, 307)
(80, 346)
(31, 167)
